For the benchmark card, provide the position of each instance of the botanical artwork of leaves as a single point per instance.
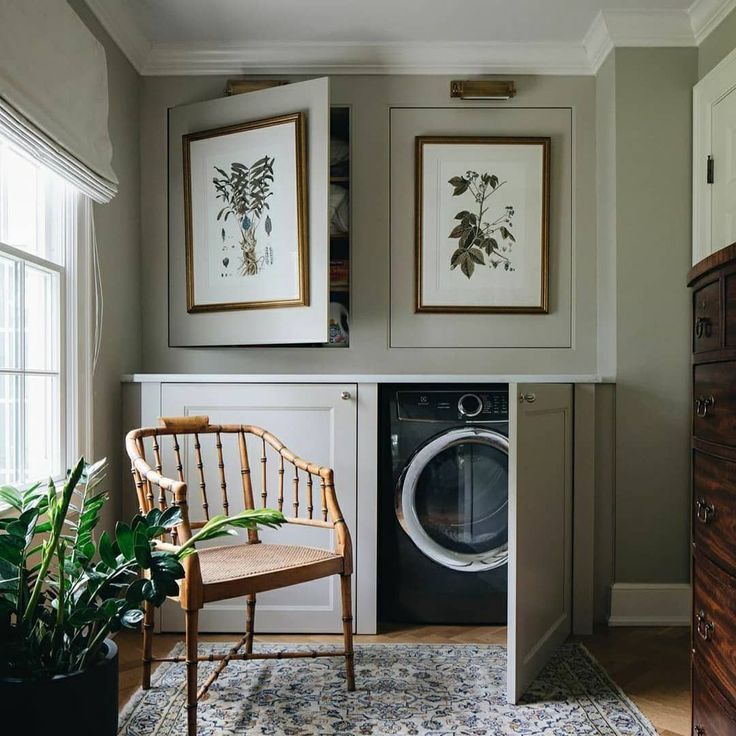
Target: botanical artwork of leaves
(483, 240)
(244, 193)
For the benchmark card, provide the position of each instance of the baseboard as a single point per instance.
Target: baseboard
(650, 604)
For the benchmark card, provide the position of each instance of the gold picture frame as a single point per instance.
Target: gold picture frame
(483, 246)
(225, 191)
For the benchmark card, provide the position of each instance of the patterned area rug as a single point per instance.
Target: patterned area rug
(413, 689)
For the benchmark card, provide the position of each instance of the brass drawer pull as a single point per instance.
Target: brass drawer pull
(704, 511)
(702, 403)
(703, 327)
(703, 626)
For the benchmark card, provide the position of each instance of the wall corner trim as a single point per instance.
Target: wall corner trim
(650, 604)
(706, 16)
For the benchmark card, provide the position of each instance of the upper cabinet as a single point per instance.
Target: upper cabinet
(249, 219)
(714, 160)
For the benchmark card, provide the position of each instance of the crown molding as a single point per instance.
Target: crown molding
(119, 24)
(649, 27)
(705, 15)
(609, 29)
(597, 43)
(635, 28)
(376, 58)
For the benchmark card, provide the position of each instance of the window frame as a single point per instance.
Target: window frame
(70, 220)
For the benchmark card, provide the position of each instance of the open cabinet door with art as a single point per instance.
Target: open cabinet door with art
(248, 218)
(540, 528)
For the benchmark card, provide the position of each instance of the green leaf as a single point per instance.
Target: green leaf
(494, 181)
(170, 518)
(134, 595)
(130, 619)
(11, 548)
(106, 550)
(219, 526)
(142, 548)
(268, 225)
(462, 215)
(12, 497)
(124, 538)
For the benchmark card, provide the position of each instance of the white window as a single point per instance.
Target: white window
(40, 379)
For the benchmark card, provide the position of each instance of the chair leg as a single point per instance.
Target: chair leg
(147, 644)
(250, 622)
(192, 618)
(347, 629)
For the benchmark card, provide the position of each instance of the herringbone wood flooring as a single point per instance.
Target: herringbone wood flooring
(650, 664)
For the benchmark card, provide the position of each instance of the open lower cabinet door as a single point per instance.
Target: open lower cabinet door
(260, 277)
(540, 528)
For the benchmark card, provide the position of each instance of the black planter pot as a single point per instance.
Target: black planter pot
(84, 703)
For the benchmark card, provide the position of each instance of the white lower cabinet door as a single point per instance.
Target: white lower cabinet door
(316, 422)
(540, 528)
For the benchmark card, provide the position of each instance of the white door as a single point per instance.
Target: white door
(540, 528)
(318, 423)
(723, 207)
(714, 144)
(272, 325)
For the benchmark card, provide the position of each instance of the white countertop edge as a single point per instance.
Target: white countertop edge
(357, 378)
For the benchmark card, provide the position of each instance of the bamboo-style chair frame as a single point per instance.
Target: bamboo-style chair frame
(194, 590)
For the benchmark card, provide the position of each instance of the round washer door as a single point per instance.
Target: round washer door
(452, 499)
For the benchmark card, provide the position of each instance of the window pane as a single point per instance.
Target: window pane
(10, 324)
(10, 470)
(21, 187)
(42, 319)
(42, 443)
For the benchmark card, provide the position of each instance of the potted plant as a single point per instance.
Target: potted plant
(63, 593)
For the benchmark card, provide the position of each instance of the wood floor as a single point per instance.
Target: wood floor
(651, 665)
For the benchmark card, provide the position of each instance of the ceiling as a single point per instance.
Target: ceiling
(396, 36)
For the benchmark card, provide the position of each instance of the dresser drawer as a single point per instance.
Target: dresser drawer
(714, 507)
(714, 622)
(713, 715)
(707, 318)
(729, 328)
(714, 398)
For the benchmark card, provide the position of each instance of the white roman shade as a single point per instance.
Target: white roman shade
(53, 93)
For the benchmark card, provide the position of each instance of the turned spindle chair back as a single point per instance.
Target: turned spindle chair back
(304, 492)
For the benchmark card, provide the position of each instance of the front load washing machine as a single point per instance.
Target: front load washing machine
(443, 506)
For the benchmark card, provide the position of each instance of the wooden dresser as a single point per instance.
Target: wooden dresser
(713, 284)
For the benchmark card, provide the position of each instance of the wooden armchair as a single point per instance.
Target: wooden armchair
(229, 571)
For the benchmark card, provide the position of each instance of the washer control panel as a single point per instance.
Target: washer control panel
(448, 406)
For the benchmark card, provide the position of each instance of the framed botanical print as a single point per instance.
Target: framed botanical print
(482, 224)
(245, 216)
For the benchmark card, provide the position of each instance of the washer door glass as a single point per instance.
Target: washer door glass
(453, 499)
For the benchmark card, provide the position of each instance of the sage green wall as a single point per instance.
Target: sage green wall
(370, 98)
(719, 44)
(117, 226)
(653, 91)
